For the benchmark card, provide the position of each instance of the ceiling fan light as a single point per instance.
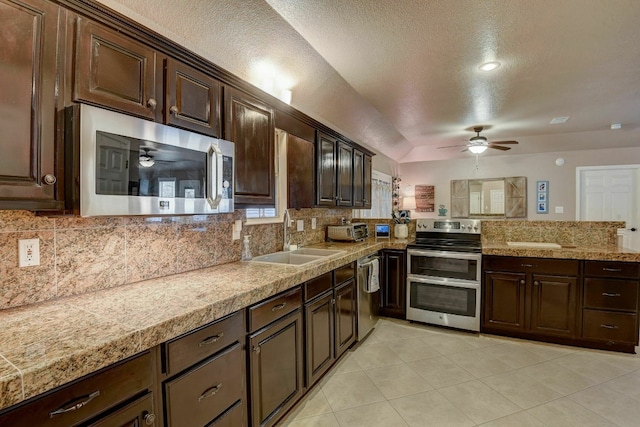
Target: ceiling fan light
(478, 149)
(146, 161)
(489, 66)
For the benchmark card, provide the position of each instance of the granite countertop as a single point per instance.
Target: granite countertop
(605, 253)
(43, 346)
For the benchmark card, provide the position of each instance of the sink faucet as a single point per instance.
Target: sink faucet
(287, 237)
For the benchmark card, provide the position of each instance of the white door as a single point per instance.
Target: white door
(611, 193)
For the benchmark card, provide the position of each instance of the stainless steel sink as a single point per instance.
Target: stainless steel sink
(298, 257)
(289, 258)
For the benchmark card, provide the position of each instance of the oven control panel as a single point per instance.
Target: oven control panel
(449, 225)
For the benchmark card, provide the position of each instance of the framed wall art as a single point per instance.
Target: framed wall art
(542, 197)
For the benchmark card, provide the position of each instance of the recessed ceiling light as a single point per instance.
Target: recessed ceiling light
(489, 66)
(557, 120)
(615, 126)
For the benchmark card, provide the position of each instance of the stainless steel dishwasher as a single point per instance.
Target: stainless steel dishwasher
(367, 301)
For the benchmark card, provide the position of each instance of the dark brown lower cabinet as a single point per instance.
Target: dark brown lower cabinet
(276, 369)
(120, 395)
(346, 315)
(393, 284)
(319, 336)
(530, 297)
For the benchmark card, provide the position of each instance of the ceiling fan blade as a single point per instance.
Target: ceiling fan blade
(499, 147)
(453, 146)
(503, 142)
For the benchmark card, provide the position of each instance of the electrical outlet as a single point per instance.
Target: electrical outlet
(559, 209)
(314, 223)
(300, 225)
(28, 252)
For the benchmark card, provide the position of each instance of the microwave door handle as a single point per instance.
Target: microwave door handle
(214, 191)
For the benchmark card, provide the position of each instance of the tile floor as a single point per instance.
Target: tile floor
(412, 375)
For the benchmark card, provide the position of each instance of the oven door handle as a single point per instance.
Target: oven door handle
(445, 254)
(442, 282)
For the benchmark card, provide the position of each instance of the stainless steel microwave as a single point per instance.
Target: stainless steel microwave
(132, 166)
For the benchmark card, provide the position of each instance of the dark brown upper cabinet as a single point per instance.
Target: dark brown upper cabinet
(249, 123)
(361, 180)
(326, 170)
(334, 172)
(28, 174)
(114, 71)
(192, 99)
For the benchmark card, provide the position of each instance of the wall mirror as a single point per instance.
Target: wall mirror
(492, 197)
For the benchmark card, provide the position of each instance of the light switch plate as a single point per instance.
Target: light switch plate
(314, 223)
(300, 225)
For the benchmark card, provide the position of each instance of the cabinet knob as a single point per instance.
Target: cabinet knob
(149, 419)
(174, 110)
(50, 179)
(256, 349)
(151, 103)
(536, 283)
(522, 281)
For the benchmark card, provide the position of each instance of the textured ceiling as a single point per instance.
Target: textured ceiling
(402, 78)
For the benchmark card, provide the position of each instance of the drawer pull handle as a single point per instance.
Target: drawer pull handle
(608, 294)
(73, 406)
(211, 340)
(279, 306)
(615, 270)
(528, 265)
(210, 392)
(609, 326)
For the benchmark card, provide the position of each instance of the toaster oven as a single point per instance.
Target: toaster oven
(353, 232)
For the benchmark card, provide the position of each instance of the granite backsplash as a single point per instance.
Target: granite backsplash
(79, 255)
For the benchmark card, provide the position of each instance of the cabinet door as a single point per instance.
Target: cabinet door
(249, 124)
(276, 377)
(192, 99)
(346, 314)
(326, 191)
(367, 182)
(28, 103)
(345, 174)
(300, 172)
(319, 318)
(553, 305)
(394, 284)
(138, 413)
(114, 70)
(358, 179)
(504, 301)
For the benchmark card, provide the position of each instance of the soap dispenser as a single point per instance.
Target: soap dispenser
(246, 250)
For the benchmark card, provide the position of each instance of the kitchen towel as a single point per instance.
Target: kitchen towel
(373, 282)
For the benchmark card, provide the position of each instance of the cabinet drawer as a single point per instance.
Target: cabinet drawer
(563, 267)
(203, 393)
(345, 273)
(317, 286)
(232, 417)
(611, 294)
(615, 269)
(184, 351)
(91, 396)
(278, 306)
(609, 326)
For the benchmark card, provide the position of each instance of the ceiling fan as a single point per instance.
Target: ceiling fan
(478, 144)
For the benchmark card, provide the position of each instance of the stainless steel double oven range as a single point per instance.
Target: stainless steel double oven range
(444, 273)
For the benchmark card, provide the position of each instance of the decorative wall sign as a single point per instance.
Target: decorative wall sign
(542, 197)
(425, 198)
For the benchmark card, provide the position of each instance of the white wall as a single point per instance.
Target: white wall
(536, 167)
